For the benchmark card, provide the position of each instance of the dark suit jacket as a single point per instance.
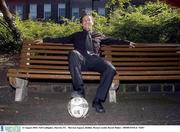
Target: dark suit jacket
(79, 41)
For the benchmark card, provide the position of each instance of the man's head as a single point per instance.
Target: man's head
(86, 21)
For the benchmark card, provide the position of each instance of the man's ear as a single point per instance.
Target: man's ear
(92, 22)
(81, 24)
(92, 19)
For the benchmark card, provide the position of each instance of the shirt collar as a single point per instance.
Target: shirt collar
(87, 31)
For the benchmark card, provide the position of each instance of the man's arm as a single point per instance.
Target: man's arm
(110, 41)
(64, 40)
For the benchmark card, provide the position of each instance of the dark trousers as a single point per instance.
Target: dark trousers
(79, 62)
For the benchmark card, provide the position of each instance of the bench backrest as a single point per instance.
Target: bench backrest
(143, 57)
(45, 56)
(145, 62)
(141, 60)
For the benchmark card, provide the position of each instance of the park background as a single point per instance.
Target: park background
(152, 22)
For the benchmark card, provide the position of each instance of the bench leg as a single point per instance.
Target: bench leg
(112, 91)
(21, 87)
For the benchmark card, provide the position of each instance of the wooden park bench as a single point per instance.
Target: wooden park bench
(49, 61)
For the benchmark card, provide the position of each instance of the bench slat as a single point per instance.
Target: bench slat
(117, 64)
(121, 78)
(147, 78)
(46, 51)
(49, 62)
(44, 67)
(120, 73)
(109, 58)
(29, 71)
(140, 54)
(48, 57)
(144, 59)
(48, 76)
(56, 72)
(138, 49)
(118, 68)
(43, 46)
(147, 68)
(146, 45)
(51, 44)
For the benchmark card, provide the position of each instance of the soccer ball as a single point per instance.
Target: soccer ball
(78, 107)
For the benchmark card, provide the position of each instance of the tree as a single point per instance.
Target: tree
(112, 5)
(8, 17)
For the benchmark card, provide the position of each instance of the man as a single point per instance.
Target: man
(85, 57)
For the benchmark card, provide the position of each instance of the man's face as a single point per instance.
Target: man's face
(87, 23)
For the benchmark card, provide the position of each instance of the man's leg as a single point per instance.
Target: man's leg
(107, 71)
(76, 63)
(105, 81)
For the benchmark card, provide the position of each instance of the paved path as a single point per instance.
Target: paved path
(51, 109)
(135, 109)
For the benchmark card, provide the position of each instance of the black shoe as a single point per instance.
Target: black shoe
(98, 106)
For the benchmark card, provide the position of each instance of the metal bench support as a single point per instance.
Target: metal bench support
(21, 88)
(112, 91)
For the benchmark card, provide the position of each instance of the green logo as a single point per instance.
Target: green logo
(2, 128)
(12, 129)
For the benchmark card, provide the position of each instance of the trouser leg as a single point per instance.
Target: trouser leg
(105, 82)
(107, 71)
(76, 61)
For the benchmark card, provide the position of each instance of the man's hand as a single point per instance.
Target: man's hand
(132, 45)
(38, 41)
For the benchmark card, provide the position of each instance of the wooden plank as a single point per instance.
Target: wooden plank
(50, 62)
(47, 51)
(44, 67)
(144, 59)
(47, 44)
(47, 48)
(141, 54)
(157, 45)
(47, 76)
(68, 77)
(48, 57)
(133, 64)
(26, 56)
(59, 47)
(147, 45)
(147, 68)
(120, 73)
(154, 73)
(53, 44)
(147, 78)
(138, 49)
(37, 71)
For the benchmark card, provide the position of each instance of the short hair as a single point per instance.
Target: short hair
(85, 13)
